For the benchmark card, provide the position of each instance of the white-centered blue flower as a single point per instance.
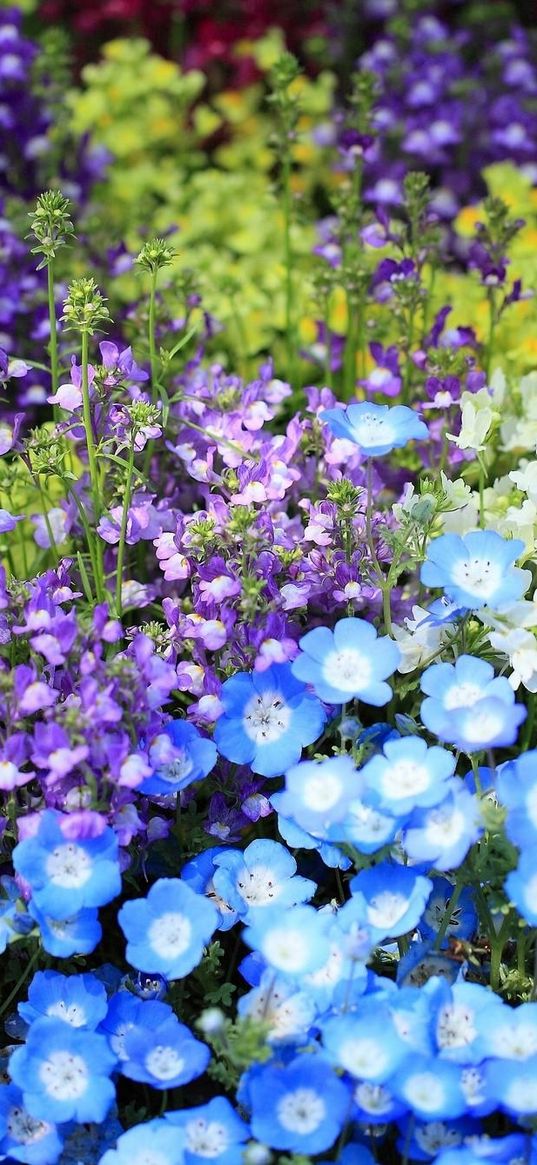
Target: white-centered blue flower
(77, 999)
(394, 898)
(377, 429)
(430, 1087)
(153, 1143)
(300, 1106)
(213, 1132)
(263, 876)
(317, 794)
(167, 931)
(292, 942)
(517, 790)
(269, 717)
(408, 774)
(452, 687)
(476, 570)
(365, 1044)
(443, 834)
(64, 1072)
(24, 1137)
(350, 662)
(68, 875)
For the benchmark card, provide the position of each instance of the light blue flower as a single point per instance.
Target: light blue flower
(513, 1085)
(517, 790)
(293, 942)
(452, 687)
(179, 755)
(127, 1011)
(476, 570)
(521, 886)
(24, 1137)
(513, 1035)
(76, 999)
(300, 1106)
(155, 1141)
(430, 1087)
(365, 1042)
(395, 897)
(67, 875)
(460, 1015)
(63, 937)
(490, 723)
(269, 717)
(167, 931)
(408, 775)
(213, 1132)
(64, 1072)
(165, 1055)
(318, 793)
(350, 662)
(263, 876)
(298, 838)
(377, 429)
(443, 834)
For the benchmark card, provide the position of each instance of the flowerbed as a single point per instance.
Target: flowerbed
(268, 626)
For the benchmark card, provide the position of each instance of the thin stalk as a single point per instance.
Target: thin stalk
(97, 556)
(152, 336)
(53, 346)
(450, 907)
(384, 583)
(288, 262)
(497, 944)
(28, 967)
(123, 529)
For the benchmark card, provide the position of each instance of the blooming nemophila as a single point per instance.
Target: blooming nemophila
(179, 756)
(443, 833)
(64, 1072)
(317, 793)
(377, 429)
(167, 931)
(462, 922)
(77, 999)
(517, 790)
(408, 774)
(460, 686)
(394, 896)
(476, 570)
(430, 1087)
(280, 1003)
(64, 937)
(300, 1106)
(264, 875)
(521, 886)
(350, 662)
(152, 1143)
(365, 1043)
(67, 875)
(127, 1011)
(269, 717)
(293, 942)
(24, 1137)
(165, 1055)
(213, 1132)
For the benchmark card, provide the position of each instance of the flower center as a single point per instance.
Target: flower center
(373, 1098)
(206, 1138)
(347, 670)
(64, 1076)
(70, 1013)
(177, 769)
(372, 430)
(462, 696)
(266, 718)
(285, 950)
(322, 792)
(301, 1111)
(259, 888)
(405, 777)
(425, 1090)
(385, 909)
(169, 935)
(69, 866)
(455, 1027)
(479, 576)
(163, 1062)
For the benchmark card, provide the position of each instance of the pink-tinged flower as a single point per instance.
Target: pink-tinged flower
(133, 771)
(173, 564)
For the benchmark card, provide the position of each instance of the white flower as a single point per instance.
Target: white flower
(477, 418)
(418, 641)
(521, 648)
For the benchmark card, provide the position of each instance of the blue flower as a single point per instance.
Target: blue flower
(430, 1087)
(350, 662)
(125, 1012)
(77, 999)
(198, 874)
(299, 838)
(513, 1035)
(64, 937)
(422, 962)
(517, 790)
(67, 875)
(180, 755)
(264, 875)
(165, 1055)
(513, 1085)
(25, 1137)
(64, 1072)
(409, 774)
(269, 717)
(154, 1141)
(282, 1004)
(318, 793)
(443, 834)
(167, 931)
(477, 569)
(293, 942)
(451, 688)
(521, 886)
(213, 1132)
(488, 724)
(462, 919)
(394, 896)
(300, 1107)
(460, 1016)
(365, 1044)
(377, 429)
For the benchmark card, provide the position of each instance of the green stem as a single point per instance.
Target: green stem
(97, 556)
(288, 263)
(492, 330)
(53, 347)
(450, 907)
(123, 530)
(152, 336)
(497, 943)
(28, 967)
